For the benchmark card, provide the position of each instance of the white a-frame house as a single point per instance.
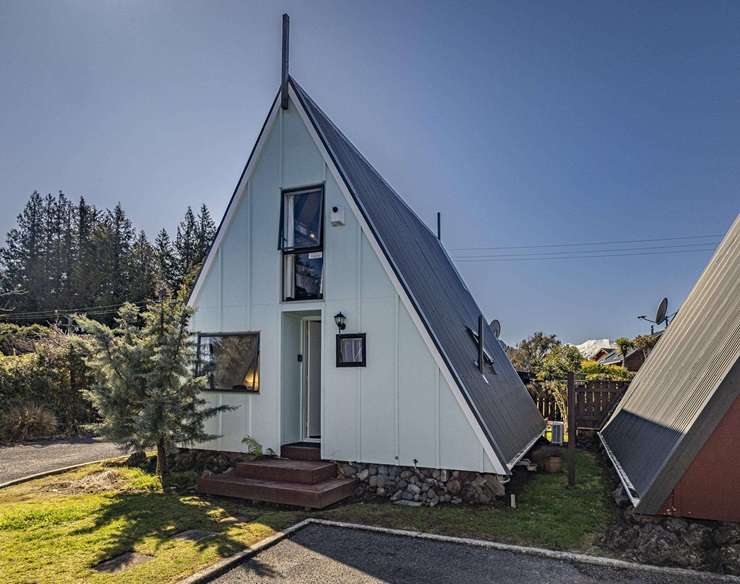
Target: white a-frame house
(328, 312)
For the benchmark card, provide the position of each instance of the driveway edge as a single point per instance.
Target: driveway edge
(541, 552)
(48, 473)
(218, 569)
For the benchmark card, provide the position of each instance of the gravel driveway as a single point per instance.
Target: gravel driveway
(35, 457)
(322, 554)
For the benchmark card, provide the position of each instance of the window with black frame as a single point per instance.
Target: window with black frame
(351, 350)
(301, 241)
(230, 361)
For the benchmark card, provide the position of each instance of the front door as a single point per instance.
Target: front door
(312, 381)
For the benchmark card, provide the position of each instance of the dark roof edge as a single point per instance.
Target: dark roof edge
(422, 316)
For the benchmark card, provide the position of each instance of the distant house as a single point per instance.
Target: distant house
(600, 354)
(331, 315)
(674, 438)
(632, 361)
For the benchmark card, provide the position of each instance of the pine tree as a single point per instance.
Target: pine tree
(164, 259)
(204, 234)
(186, 246)
(142, 269)
(145, 390)
(86, 269)
(21, 260)
(115, 237)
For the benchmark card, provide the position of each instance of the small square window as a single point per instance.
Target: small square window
(351, 350)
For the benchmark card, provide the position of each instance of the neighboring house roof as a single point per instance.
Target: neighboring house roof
(685, 387)
(502, 406)
(613, 357)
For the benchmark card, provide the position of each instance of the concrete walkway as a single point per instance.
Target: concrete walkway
(34, 457)
(332, 555)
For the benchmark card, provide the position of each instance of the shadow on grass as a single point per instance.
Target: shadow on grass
(150, 520)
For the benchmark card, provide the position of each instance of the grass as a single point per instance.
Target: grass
(47, 535)
(57, 529)
(548, 513)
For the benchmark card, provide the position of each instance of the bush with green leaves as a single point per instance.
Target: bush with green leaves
(42, 368)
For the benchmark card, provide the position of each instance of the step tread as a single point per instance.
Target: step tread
(289, 463)
(286, 486)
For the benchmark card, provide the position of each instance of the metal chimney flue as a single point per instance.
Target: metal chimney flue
(284, 79)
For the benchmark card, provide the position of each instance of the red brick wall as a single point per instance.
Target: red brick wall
(710, 487)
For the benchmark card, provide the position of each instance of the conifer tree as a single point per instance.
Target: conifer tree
(204, 234)
(142, 269)
(164, 259)
(145, 389)
(21, 260)
(186, 246)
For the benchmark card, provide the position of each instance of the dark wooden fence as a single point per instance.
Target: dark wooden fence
(594, 401)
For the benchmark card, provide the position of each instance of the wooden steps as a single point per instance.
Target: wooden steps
(304, 481)
(307, 472)
(301, 451)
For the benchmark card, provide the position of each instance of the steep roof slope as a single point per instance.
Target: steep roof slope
(502, 405)
(684, 388)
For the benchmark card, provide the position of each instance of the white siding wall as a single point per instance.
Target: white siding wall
(398, 409)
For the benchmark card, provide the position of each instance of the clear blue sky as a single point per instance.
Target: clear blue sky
(524, 123)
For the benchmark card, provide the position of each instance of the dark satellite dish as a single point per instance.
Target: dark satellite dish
(662, 311)
(496, 328)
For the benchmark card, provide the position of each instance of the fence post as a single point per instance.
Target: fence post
(571, 429)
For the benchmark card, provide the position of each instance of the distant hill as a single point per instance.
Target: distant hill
(589, 348)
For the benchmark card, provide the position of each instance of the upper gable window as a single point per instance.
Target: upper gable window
(302, 225)
(301, 240)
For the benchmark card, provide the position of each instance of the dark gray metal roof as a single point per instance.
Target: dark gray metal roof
(503, 407)
(685, 387)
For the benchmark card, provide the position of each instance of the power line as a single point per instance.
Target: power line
(52, 312)
(686, 246)
(533, 257)
(586, 243)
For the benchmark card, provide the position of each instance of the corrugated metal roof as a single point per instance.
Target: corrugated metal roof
(503, 406)
(686, 385)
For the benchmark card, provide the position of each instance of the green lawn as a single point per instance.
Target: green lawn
(56, 529)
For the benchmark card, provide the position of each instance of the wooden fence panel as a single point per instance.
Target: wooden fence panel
(594, 402)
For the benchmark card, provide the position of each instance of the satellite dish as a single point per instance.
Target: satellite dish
(496, 328)
(662, 310)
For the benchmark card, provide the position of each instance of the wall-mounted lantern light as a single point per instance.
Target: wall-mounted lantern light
(339, 318)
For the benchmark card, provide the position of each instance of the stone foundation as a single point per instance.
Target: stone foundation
(415, 487)
(403, 485)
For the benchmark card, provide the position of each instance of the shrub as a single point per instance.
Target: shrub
(43, 367)
(29, 420)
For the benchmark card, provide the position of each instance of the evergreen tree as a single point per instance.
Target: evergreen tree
(204, 234)
(115, 237)
(142, 267)
(85, 270)
(186, 246)
(21, 260)
(145, 390)
(164, 259)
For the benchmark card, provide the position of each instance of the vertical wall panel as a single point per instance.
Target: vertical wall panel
(377, 383)
(417, 396)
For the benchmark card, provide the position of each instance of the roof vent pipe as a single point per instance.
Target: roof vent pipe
(284, 79)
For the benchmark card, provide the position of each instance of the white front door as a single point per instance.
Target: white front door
(312, 380)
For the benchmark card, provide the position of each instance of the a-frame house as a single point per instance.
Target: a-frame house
(674, 438)
(329, 313)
